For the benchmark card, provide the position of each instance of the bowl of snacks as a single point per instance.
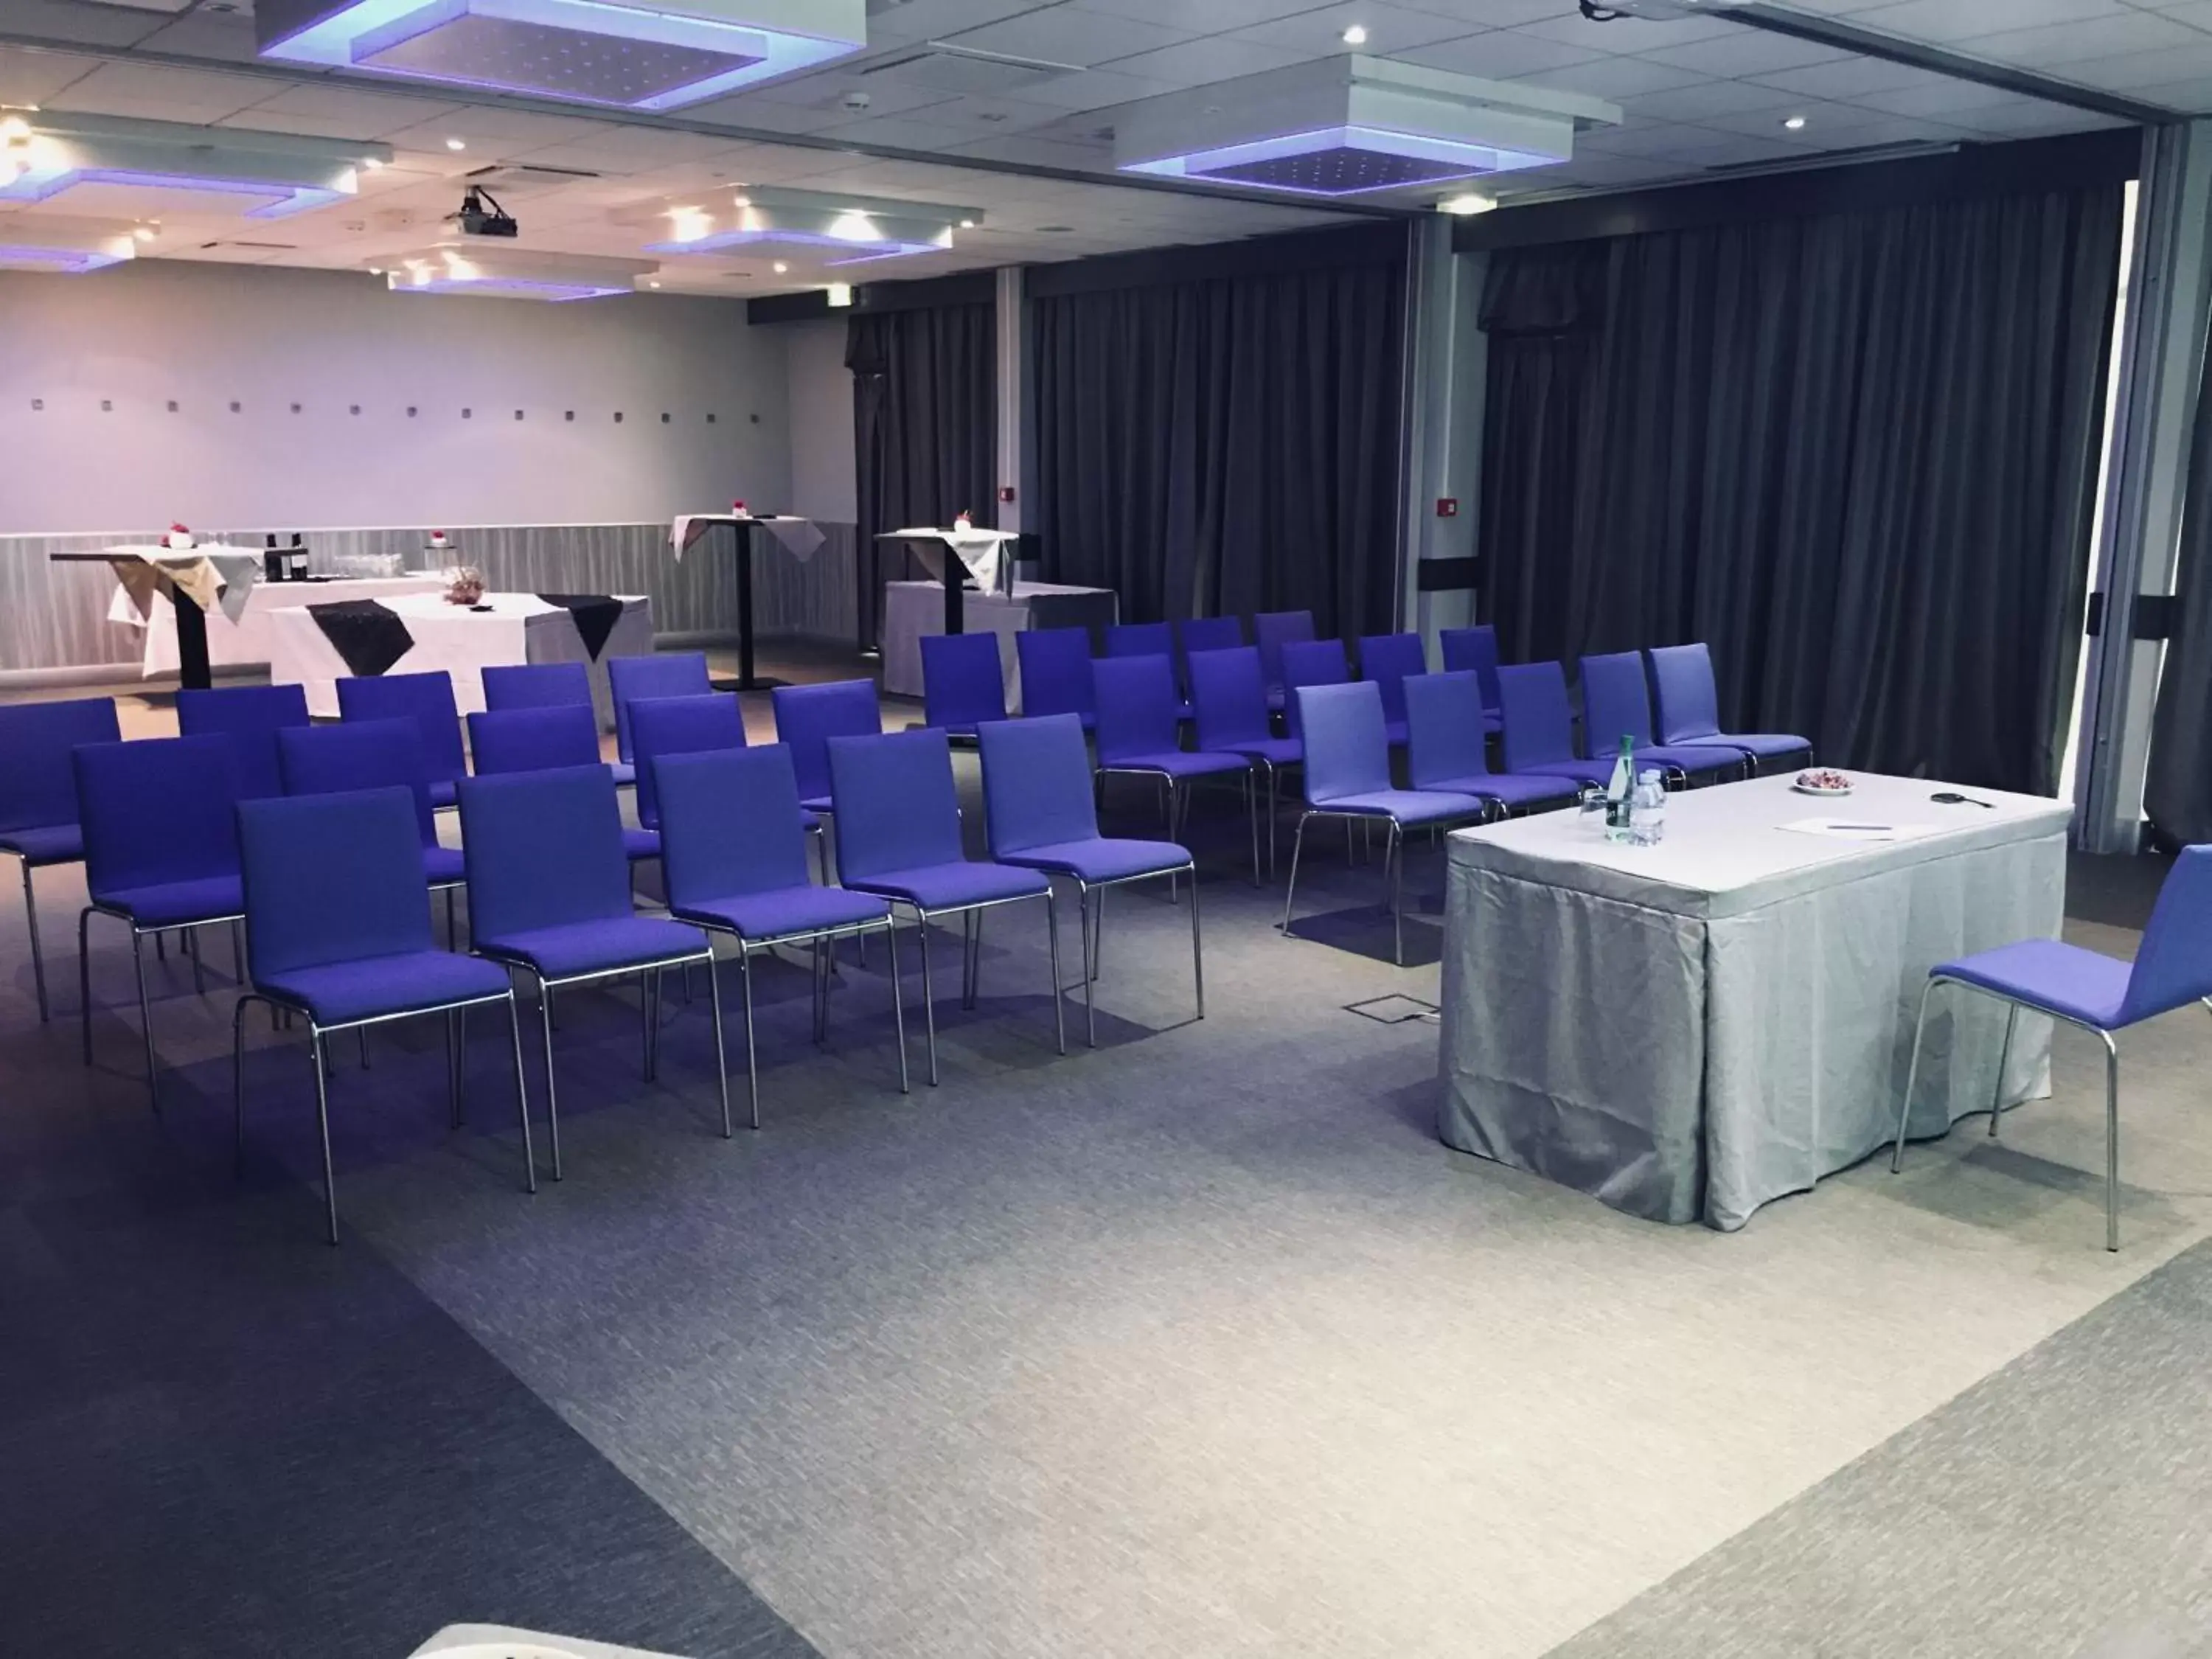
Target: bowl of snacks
(465, 584)
(1821, 781)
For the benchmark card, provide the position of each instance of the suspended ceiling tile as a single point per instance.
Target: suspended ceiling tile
(1095, 89)
(1389, 29)
(1628, 35)
(2192, 96)
(78, 25)
(1499, 55)
(1848, 77)
(1940, 101)
(1746, 52)
(1700, 102)
(2057, 45)
(1219, 16)
(226, 36)
(1616, 78)
(375, 114)
(1199, 62)
(1960, 19)
(150, 92)
(2133, 71)
(1062, 35)
(934, 20)
(32, 77)
(1489, 13)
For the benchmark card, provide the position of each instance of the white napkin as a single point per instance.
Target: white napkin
(1858, 829)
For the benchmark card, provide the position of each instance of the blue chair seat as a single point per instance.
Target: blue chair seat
(951, 886)
(577, 950)
(1394, 733)
(1686, 757)
(1763, 745)
(1177, 763)
(45, 843)
(442, 792)
(1276, 751)
(1514, 788)
(640, 844)
(1103, 858)
(778, 912)
(344, 993)
(625, 774)
(177, 903)
(1577, 771)
(814, 804)
(444, 865)
(1406, 805)
(2049, 974)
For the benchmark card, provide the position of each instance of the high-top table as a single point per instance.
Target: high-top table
(1689, 1030)
(197, 580)
(798, 537)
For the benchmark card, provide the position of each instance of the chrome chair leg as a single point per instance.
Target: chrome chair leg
(1997, 1095)
(323, 1122)
(1197, 952)
(1051, 934)
(974, 965)
(1911, 1077)
(721, 1060)
(38, 956)
(552, 1096)
(522, 1097)
(1394, 856)
(928, 998)
(2112, 1142)
(238, 1088)
(84, 980)
(146, 1018)
(752, 1060)
(1090, 996)
(1297, 845)
(1098, 935)
(189, 938)
(452, 1073)
(238, 951)
(360, 1039)
(1252, 814)
(898, 1004)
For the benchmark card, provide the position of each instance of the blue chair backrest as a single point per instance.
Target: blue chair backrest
(353, 755)
(963, 681)
(808, 716)
(1387, 660)
(426, 699)
(1540, 725)
(672, 674)
(1615, 703)
(250, 716)
(1444, 735)
(536, 685)
(679, 725)
(1036, 784)
(38, 783)
(1273, 629)
(729, 823)
(2173, 964)
(1229, 698)
(1475, 650)
(533, 740)
(1137, 707)
(1203, 634)
(1154, 639)
(1056, 671)
(297, 915)
(543, 849)
(1310, 662)
(1689, 706)
(1347, 751)
(157, 810)
(895, 805)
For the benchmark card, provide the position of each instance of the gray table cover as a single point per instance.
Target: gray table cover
(912, 609)
(1689, 1030)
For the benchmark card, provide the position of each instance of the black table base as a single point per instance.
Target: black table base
(746, 679)
(193, 672)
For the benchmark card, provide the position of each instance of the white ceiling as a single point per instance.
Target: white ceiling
(1698, 95)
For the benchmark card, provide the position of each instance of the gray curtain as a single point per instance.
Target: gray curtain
(2178, 792)
(1856, 453)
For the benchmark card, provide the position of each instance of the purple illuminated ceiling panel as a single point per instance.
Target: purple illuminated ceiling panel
(458, 41)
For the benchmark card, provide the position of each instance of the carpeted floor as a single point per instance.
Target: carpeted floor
(1201, 1344)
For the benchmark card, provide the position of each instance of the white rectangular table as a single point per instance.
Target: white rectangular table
(247, 640)
(518, 628)
(1692, 1029)
(913, 609)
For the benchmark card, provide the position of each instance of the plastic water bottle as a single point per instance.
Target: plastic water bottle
(1620, 794)
(1649, 822)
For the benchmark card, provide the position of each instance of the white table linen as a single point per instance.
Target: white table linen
(915, 608)
(246, 641)
(798, 537)
(215, 577)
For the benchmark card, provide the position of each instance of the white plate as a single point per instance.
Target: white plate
(1806, 789)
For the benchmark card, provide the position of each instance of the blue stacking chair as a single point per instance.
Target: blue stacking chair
(426, 699)
(1201, 634)
(1271, 631)
(332, 760)
(1540, 725)
(898, 837)
(1347, 775)
(1475, 650)
(1617, 704)
(679, 725)
(964, 683)
(1230, 701)
(1056, 665)
(38, 794)
(2100, 995)
(1139, 735)
(1309, 662)
(667, 674)
(1154, 639)
(354, 952)
(736, 863)
(1040, 814)
(1446, 747)
(549, 896)
(1389, 659)
(1689, 708)
(549, 740)
(160, 851)
(250, 717)
(808, 716)
(509, 686)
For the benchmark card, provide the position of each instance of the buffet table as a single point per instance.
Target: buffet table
(316, 646)
(247, 640)
(913, 609)
(1689, 1030)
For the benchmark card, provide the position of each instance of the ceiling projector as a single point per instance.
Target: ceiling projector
(481, 214)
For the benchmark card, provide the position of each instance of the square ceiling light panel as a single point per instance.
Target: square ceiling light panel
(623, 54)
(39, 241)
(510, 273)
(853, 230)
(256, 175)
(1350, 125)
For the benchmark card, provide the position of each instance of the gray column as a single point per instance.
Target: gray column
(1445, 378)
(1016, 448)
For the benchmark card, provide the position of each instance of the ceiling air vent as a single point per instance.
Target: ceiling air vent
(521, 179)
(963, 70)
(230, 246)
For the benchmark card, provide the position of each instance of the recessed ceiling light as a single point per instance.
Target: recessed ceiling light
(1796, 123)
(456, 144)
(780, 267)
(1356, 35)
(376, 271)
(967, 224)
(374, 164)
(653, 284)
(144, 233)
(1468, 202)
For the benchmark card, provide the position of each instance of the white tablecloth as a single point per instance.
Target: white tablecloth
(798, 537)
(519, 628)
(1692, 1029)
(982, 552)
(247, 640)
(913, 609)
(218, 578)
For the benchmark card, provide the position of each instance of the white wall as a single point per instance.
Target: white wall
(822, 476)
(137, 337)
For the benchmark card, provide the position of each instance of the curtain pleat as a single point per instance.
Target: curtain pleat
(2177, 789)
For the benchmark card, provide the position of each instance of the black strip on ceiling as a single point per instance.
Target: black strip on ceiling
(2030, 164)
